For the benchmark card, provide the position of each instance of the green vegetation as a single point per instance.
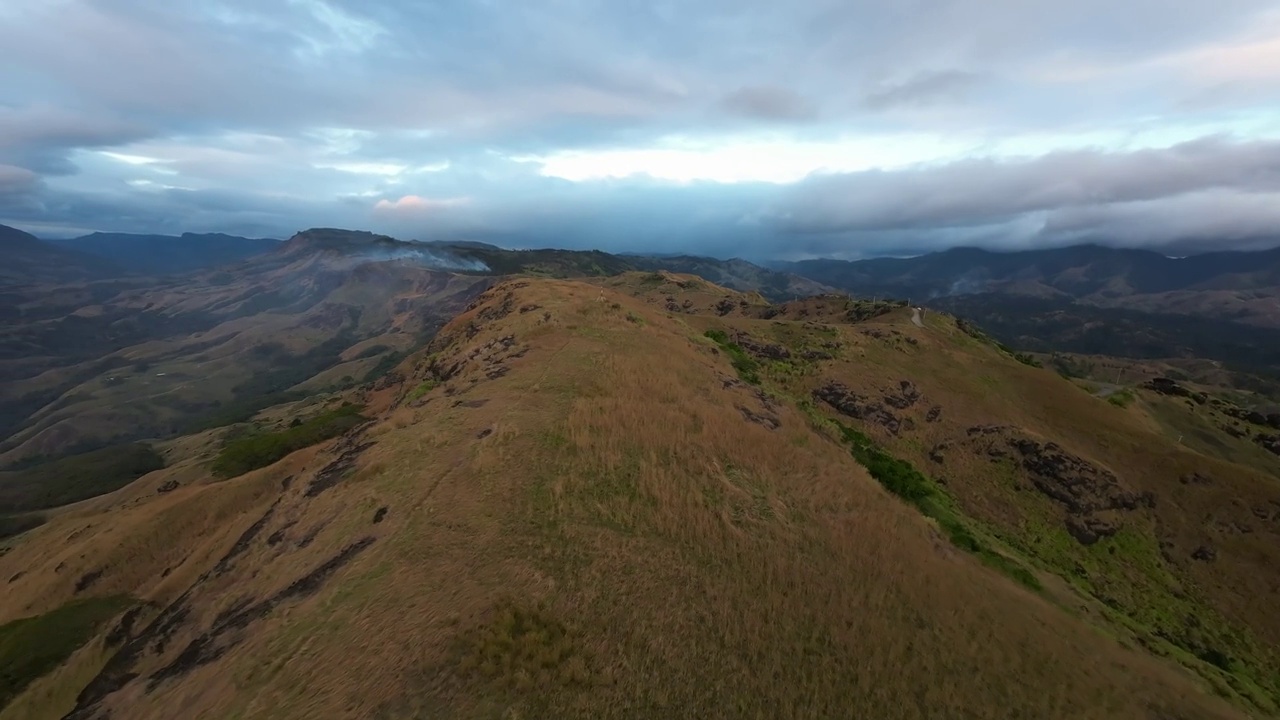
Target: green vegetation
(1026, 359)
(33, 646)
(524, 648)
(1122, 398)
(902, 479)
(77, 477)
(423, 389)
(653, 279)
(747, 368)
(253, 450)
(1129, 577)
(385, 364)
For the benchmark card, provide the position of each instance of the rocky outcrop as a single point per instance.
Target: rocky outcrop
(1168, 386)
(859, 407)
(1076, 483)
(763, 419)
(1205, 553)
(1093, 497)
(906, 396)
(761, 350)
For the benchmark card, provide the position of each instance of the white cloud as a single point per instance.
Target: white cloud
(777, 160)
(365, 168)
(130, 159)
(417, 204)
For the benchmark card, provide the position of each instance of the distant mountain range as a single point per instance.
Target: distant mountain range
(167, 254)
(1087, 299)
(29, 260)
(1238, 286)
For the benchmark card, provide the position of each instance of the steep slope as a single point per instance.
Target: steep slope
(574, 503)
(167, 254)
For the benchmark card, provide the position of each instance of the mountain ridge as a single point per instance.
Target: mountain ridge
(639, 495)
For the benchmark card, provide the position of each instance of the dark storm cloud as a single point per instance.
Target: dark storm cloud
(432, 119)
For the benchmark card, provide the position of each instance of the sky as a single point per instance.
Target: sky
(749, 128)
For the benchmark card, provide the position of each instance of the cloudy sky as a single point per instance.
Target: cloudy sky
(754, 128)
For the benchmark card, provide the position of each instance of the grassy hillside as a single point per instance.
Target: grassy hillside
(652, 497)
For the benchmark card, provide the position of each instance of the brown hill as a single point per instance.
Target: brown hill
(594, 500)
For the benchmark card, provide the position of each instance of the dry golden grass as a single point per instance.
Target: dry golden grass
(597, 533)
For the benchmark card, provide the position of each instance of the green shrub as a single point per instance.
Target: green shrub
(747, 368)
(423, 389)
(31, 647)
(1027, 359)
(1122, 398)
(253, 450)
(385, 364)
(902, 479)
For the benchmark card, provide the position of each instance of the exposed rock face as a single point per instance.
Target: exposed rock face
(1093, 497)
(859, 407)
(1195, 478)
(904, 399)
(1270, 443)
(763, 350)
(1168, 386)
(1080, 486)
(1089, 529)
(1205, 553)
(763, 419)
